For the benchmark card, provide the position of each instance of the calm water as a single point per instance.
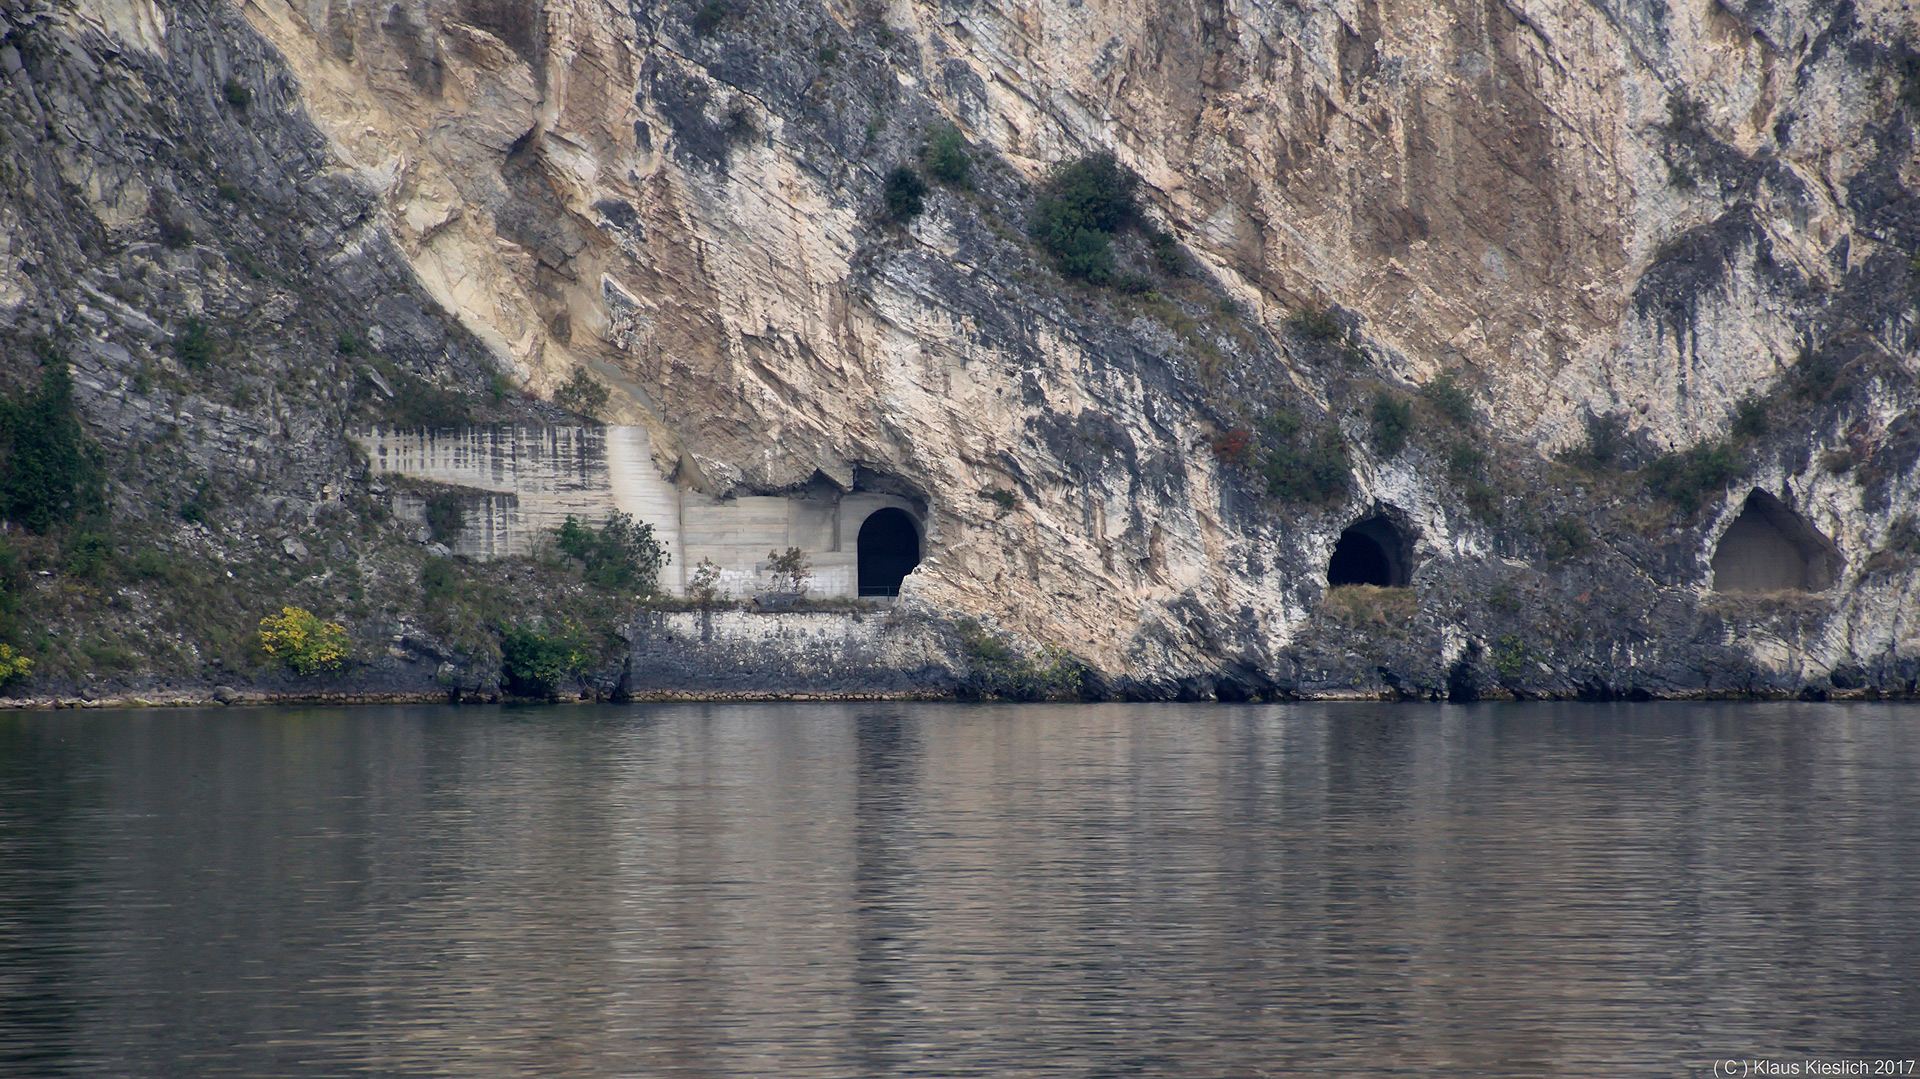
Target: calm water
(769, 890)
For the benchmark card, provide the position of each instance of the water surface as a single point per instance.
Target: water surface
(799, 890)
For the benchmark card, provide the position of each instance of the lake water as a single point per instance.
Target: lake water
(913, 890)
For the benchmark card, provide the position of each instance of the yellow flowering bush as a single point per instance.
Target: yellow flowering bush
(303, 642)
(12, 664)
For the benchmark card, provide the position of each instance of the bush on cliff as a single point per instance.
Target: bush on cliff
(535, 663)
(1685, 478)
(620, 556)
(905, 194)
(298, 638)
(1081, 205)
(1302, 469)
(49, 468)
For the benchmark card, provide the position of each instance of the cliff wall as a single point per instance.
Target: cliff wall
(1626, 230)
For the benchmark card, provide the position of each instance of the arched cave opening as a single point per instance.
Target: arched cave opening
(889, 548)
(1373, 551)
(1770, 548)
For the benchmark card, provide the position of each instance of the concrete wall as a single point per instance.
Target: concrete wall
(518, 483)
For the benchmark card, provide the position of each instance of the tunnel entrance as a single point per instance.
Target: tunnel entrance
(889, 548)
(1770, 548)
(1373, 552)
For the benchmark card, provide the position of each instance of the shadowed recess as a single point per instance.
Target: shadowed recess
(1373, 552)
(1770, 548)
(889, 549)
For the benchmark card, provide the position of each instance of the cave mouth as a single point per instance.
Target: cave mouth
(889, 548)
(1373, 552)
(1770, 548)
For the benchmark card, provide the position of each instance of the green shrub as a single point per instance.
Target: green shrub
(583, 395)
(703, 588)
(1567, 537)
(439, 580)
(1511, 658)
(1750, 418)
(828, 55)
(1316, 324)
(535, 663)
(708, 17)
(1080, 206)
(13, 666)
(946, 157)
(1392, 419)
(419, 403)
(500, 387)
(237, 94)
(1167, 255)
(999, 671)
(1686, 478)
(905, 194)
(298, 638)
(1447, 398)
(620, 556)
(50, 470)
(446, 516)
(1001, 497)
(790, 571)
(1314, 473)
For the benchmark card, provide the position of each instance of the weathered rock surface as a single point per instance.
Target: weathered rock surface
(1622, 217)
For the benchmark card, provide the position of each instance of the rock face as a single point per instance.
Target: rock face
(1625, 229)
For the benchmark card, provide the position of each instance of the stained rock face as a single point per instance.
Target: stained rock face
(1613, 224)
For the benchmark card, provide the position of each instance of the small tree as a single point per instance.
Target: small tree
(535, 663)
(704, 588)
(303, 642)
(946, 156)
(12, 665)
(1392, 419)
(790, 572)
(905, 193)
(583, 395)
(620, 556)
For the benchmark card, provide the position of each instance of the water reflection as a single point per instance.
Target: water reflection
(910, 890)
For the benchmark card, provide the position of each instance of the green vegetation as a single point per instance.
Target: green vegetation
(1316, 324)
(790, 572)
(620, 556)
(446, 516)
(1750, 418)
(1511, 658)
(419, 403)
(828, 55)
(946, 157)
(583, 395)
(1079, 208)
(500, 387)
(50, 470)
(1445, 396)
(195, 346)
(1392, 420)
(1167, 256)
(1001, 497)
(237, 94)
(999, 671)
(1467, 467)
(708, 17)
(1687, 477)
(303, 642)
(905, 194)
(1300, 469)
(13, 666)
(1568, 537)
(703, 588)
(535, 663)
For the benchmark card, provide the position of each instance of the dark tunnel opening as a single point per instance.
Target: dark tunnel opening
(889, 548)
(1372, 552)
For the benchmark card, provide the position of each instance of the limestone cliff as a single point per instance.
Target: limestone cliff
(1627, 229)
